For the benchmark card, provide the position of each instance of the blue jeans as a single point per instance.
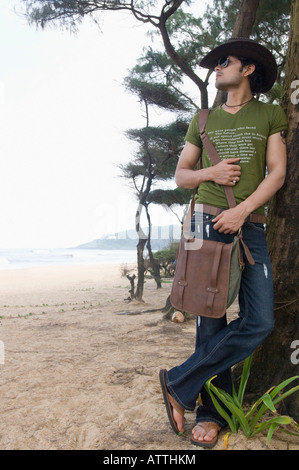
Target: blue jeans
(220, 345)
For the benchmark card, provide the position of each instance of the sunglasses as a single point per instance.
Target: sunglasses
(223, 62)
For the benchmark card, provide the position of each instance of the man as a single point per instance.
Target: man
(249, 137)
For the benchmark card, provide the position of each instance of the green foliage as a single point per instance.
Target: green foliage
(168, 197)
(155, 65)
(160, 93)
(63, 13)
(272, 24)
(158, 151)
(252, 421)
(219, 20)
(189, 37)
(168, 138)
(69, 13)
(166, 259)
(274, 95)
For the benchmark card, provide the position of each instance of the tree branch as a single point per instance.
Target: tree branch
(182, 64)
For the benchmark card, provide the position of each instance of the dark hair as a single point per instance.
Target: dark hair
(256, 78)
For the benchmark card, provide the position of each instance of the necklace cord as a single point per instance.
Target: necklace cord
(236, 105)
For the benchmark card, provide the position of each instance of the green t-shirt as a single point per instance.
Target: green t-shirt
(243, 135)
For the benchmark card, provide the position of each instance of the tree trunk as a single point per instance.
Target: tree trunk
(142, 239)
(132, 290)
(140, 269)
(143, 194)
(275, 361)
(243, 27)
(153, 264)
(245, 19)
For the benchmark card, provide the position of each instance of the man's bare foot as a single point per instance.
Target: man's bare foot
(179, 419)
(205, 434)
(174, 410)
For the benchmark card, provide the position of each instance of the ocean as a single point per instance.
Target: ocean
(29, 258)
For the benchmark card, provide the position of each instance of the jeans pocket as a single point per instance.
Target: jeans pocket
(257, 226)
(200, 222)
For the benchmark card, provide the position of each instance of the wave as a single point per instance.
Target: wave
(18, 259)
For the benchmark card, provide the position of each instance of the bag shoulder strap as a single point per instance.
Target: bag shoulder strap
(211, 151)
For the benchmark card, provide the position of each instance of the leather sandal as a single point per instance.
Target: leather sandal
(207, 444)
(170, 404)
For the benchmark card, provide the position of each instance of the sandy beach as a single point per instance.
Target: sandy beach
(80, 365)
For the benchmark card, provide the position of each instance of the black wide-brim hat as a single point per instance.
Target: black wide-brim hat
(250, 49)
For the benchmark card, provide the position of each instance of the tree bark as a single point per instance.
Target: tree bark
(132, 290)
(273, 361)
(243, 27)
(245, 18)
(153, 264)
(140, 269)
(142, 240)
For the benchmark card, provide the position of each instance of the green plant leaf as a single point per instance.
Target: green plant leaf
(230, 405)
(296, 429)
(273, 393)
(278, 420)
(249, 422)
(286, 394)
(244, 378)
(267, 400)
(270, 432)
(282, 385)
(219, 408)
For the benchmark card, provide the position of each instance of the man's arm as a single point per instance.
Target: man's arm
(186, 176)
(224, 172)
(231, 220)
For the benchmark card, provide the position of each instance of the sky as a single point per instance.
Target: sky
(63, 114)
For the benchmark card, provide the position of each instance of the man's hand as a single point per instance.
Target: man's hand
(230, 220)
(226, 172)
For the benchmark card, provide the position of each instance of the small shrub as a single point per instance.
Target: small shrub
(250, 421)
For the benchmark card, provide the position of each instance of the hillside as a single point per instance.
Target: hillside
(128, 239)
